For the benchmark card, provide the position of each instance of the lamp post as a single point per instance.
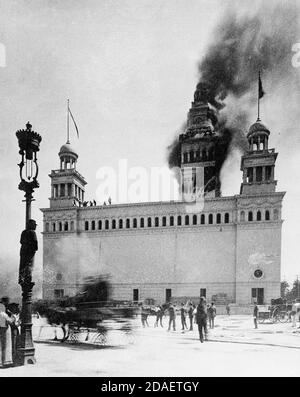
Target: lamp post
(29, 142)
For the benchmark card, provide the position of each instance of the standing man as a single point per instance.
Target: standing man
(255, 314)
(5, 338)
(191, 315)
(182, 314)
(201, 318)
(160, 315)
(172, 317)
(212, 312)
(296, 312)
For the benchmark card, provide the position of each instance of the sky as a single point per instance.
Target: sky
(129, 68)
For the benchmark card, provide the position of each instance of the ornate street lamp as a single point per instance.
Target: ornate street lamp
(29, 142)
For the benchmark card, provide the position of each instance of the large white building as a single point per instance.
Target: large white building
(229, 249)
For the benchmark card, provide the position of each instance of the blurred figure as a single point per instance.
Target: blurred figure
(255, 314)
(172, 317)
(144, 317)
(228, 309)
(159, 316)
(191, 315)
(212, 312)
(201, 319)
(182, 315)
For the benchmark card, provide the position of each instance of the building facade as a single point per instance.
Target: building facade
(227, 248)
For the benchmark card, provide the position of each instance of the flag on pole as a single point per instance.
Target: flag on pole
(73, 120)
(261, 92)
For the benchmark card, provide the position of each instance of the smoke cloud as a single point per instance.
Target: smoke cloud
(241, 46)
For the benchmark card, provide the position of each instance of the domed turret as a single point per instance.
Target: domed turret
(258, 136)
(67, 149)
(68, 156)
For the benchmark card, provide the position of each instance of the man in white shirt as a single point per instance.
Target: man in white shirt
(5, 338)
(296, 312)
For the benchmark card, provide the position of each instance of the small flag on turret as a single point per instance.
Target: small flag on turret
(261, 92)
(73, 120)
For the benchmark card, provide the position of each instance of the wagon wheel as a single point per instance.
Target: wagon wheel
(99, 339)
(284, 317)
(74, 335)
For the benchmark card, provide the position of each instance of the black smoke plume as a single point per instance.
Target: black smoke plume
(242, 45)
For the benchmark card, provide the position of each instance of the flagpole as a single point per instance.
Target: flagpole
(68, 129)
(258, 119)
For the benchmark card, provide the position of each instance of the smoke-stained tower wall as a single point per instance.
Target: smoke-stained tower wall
(204, 145)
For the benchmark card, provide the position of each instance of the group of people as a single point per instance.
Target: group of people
(199, 314)
(9, 332)
(91, 203)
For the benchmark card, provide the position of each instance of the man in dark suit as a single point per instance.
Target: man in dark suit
(201, 318)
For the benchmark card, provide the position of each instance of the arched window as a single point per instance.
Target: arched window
(268, 173)
(194, 219)
(113, 224)
(218, 218)
(53, 227)
(47, 227)
(187, 220)
(93, 225)
(250, 175)
(210, 219)
(202, 219)
(149, 222)
(156, 221)
(99, 225)
(267, 215)
(226, 218)
(250, 216)
(106, 224)
(120, 223)
(66, 226)
(172, 220)
(179, 220)
(242, 216)
(185, 157)
(276, 215)
(258, 174)
(86, 225)
(135, 223)
(164, 221)
(72, 225)
(258, 216)
(142, 222)
(127, 223)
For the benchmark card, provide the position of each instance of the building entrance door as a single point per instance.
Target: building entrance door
(135, 295)
(168, 295)
(258, 295)
(203, 292)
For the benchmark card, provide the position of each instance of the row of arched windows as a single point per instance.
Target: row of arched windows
(180, 220)
(61, 226)
(259, 215)
(199, 155)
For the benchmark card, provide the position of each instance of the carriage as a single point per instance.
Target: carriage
(89, 316)
(278, 311)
